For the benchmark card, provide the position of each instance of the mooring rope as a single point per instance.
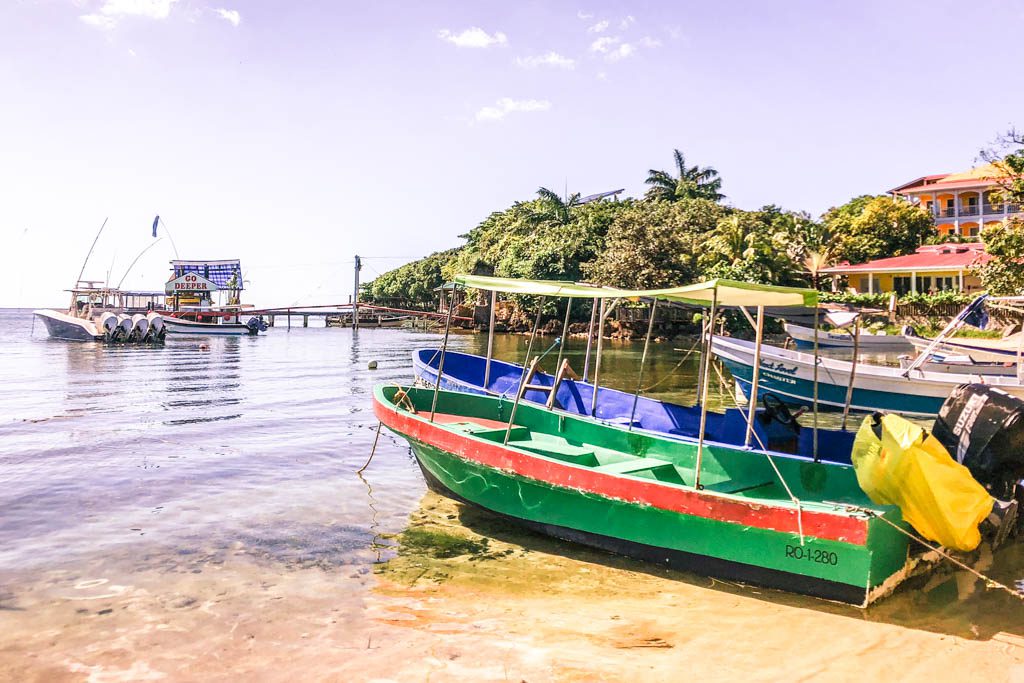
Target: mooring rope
(771, 461)
(989, 581)
(673, 370)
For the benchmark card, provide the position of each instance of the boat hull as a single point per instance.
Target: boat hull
(839, 556)
(791, 375)
(804, 338)
(177, 326)
(67, 327)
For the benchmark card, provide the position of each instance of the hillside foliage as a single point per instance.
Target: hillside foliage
(679, 233)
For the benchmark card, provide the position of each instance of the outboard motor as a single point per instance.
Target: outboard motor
(123, 329)
(983, 428)
(256, 325)
(157, 331)
(108, 323)
(140, 327)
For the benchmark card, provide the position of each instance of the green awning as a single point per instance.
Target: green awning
(729, 292)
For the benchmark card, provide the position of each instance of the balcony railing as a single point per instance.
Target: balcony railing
(986, 209)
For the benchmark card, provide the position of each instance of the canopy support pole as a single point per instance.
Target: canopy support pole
(752, 407)
(704, 389)
(528, 369)
(565, 333)
(853, 372)
(954, 324)
(814, 391)
(590, 341)
(703, 350)
(643, 361)
(490, 340)
(597, 359)
(444, 347)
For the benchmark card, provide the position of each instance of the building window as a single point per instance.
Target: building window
(901, 284)
(972, 232)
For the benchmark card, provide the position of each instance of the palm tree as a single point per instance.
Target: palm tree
(556, 208)
(693, 182)
(816, 261)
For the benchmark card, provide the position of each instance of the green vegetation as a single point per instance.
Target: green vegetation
(680, 232)
(439, 544)
(1004, 274)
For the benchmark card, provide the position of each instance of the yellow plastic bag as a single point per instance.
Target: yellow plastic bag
(908, 467)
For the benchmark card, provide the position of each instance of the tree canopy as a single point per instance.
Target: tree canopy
(1004, 273)
(679, 233)
(871, 227)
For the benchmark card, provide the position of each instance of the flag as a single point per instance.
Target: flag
(975, 315)
(155, 221)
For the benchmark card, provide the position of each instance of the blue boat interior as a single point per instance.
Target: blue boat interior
(465, 372)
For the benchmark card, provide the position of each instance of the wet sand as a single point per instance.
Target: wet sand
(468, 597)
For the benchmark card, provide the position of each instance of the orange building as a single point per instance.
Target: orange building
(962, 203)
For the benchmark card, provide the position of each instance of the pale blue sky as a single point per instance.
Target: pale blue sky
(295, 134)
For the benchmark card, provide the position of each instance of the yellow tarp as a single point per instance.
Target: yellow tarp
(908, 467)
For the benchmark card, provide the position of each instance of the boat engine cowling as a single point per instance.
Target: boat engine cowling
(982, 427)
(157, 331)
(124, 328)
(140, 327)
(108, 324)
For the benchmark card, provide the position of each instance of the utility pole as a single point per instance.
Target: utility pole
(355, 296)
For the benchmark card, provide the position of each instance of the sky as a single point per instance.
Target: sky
(294, 134)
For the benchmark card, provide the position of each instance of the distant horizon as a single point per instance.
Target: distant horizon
(294, 137)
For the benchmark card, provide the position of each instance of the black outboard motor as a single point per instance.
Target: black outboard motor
(983, 428)
(256, 325)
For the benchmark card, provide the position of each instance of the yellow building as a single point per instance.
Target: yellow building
(932, 268)
(962, 203)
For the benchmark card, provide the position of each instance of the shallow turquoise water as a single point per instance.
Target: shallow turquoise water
(121, 459)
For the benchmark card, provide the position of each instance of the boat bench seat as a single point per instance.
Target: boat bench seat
(648, 468)
(580, 455)
(490, 433)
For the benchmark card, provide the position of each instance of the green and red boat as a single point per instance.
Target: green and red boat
(732, 510)
(800, 526)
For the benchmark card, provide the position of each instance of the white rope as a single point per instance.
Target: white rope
(771, 461)
(989, 581)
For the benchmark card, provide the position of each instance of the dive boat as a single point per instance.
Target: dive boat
(790, 374)
(100, 313)
(193, 292)
(991, 350)
(804, 338)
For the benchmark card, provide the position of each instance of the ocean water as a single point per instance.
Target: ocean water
(157, 503)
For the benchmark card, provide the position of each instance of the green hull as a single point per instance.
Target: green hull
(633, 493)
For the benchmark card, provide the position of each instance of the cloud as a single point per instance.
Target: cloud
(599, 27)
(603, 44)
(507, 105)
(621, 52)
(473, 37)
(229, 15)
(552, 59)
(584, 16)
(649, 42)
(112, 11)
(99, 21)
(627, 22)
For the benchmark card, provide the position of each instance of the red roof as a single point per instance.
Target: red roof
(930, 257)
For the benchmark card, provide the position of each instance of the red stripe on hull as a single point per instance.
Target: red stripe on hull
(701, 504)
